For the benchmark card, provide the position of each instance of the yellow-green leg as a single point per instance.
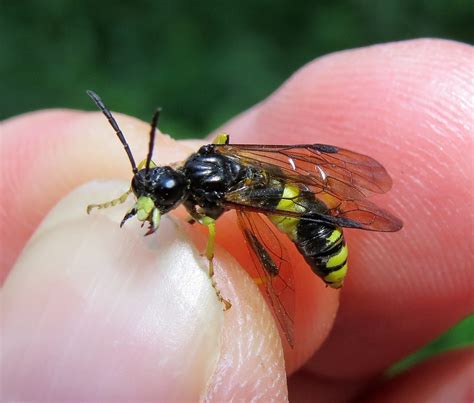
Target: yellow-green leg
(211, 226)
(118, 200)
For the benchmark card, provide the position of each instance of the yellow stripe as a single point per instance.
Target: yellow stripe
(287, 225)
(334, 237)
(338, 259)
(286, 203)
(336, 278)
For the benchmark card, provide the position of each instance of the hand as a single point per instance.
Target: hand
(92, 312)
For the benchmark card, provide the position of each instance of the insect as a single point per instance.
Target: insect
(309, 192)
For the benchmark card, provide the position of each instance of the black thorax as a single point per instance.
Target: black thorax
(211, 175)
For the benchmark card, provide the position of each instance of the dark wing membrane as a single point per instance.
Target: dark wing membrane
(361, 214)
(337, 171)
(275, 277)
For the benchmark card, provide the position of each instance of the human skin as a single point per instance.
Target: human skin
(92, 312)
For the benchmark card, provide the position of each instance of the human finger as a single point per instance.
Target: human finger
(446, 378)
(73, 134)
(408, 105)
(93, 312)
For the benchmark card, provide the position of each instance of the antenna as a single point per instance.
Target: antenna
(115, 126)
(154, 123)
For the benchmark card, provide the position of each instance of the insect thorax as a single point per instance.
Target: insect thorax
(211, 176)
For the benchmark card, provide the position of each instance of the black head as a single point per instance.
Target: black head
(167, 187)
(158, 189)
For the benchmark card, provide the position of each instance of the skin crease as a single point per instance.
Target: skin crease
(408, 105)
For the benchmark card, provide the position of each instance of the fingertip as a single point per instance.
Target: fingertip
(251, 364)
(358, 95)
(77, 163)
(138, 312)
(406, 104)
(113, 313)
(315, 305)
(46, 154)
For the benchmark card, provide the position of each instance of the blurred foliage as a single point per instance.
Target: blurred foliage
(461, 335)
(202, 61)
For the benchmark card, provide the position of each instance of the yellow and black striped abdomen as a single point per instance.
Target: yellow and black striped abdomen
(321, 244)
(324, 249)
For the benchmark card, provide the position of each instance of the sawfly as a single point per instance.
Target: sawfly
(310, 192)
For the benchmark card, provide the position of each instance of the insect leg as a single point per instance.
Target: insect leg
(118, 200)
(210, 223)
(221, 138)
(211, 227)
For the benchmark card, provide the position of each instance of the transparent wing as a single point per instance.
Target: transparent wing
(361, 214)
(333, 170)
(275, 276)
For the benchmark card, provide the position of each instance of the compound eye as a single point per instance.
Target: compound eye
(169, 183)
(170, 189)
(136, 185)
(143, 182)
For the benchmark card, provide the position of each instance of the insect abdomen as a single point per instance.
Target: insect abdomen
(324, 249)
(322, 245)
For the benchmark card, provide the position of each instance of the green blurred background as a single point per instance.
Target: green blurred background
(203, 62)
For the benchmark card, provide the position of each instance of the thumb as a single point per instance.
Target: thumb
(92, 312)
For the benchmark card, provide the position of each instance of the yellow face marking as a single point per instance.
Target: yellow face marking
(338, 259)
(336, 278)
(144, 206)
